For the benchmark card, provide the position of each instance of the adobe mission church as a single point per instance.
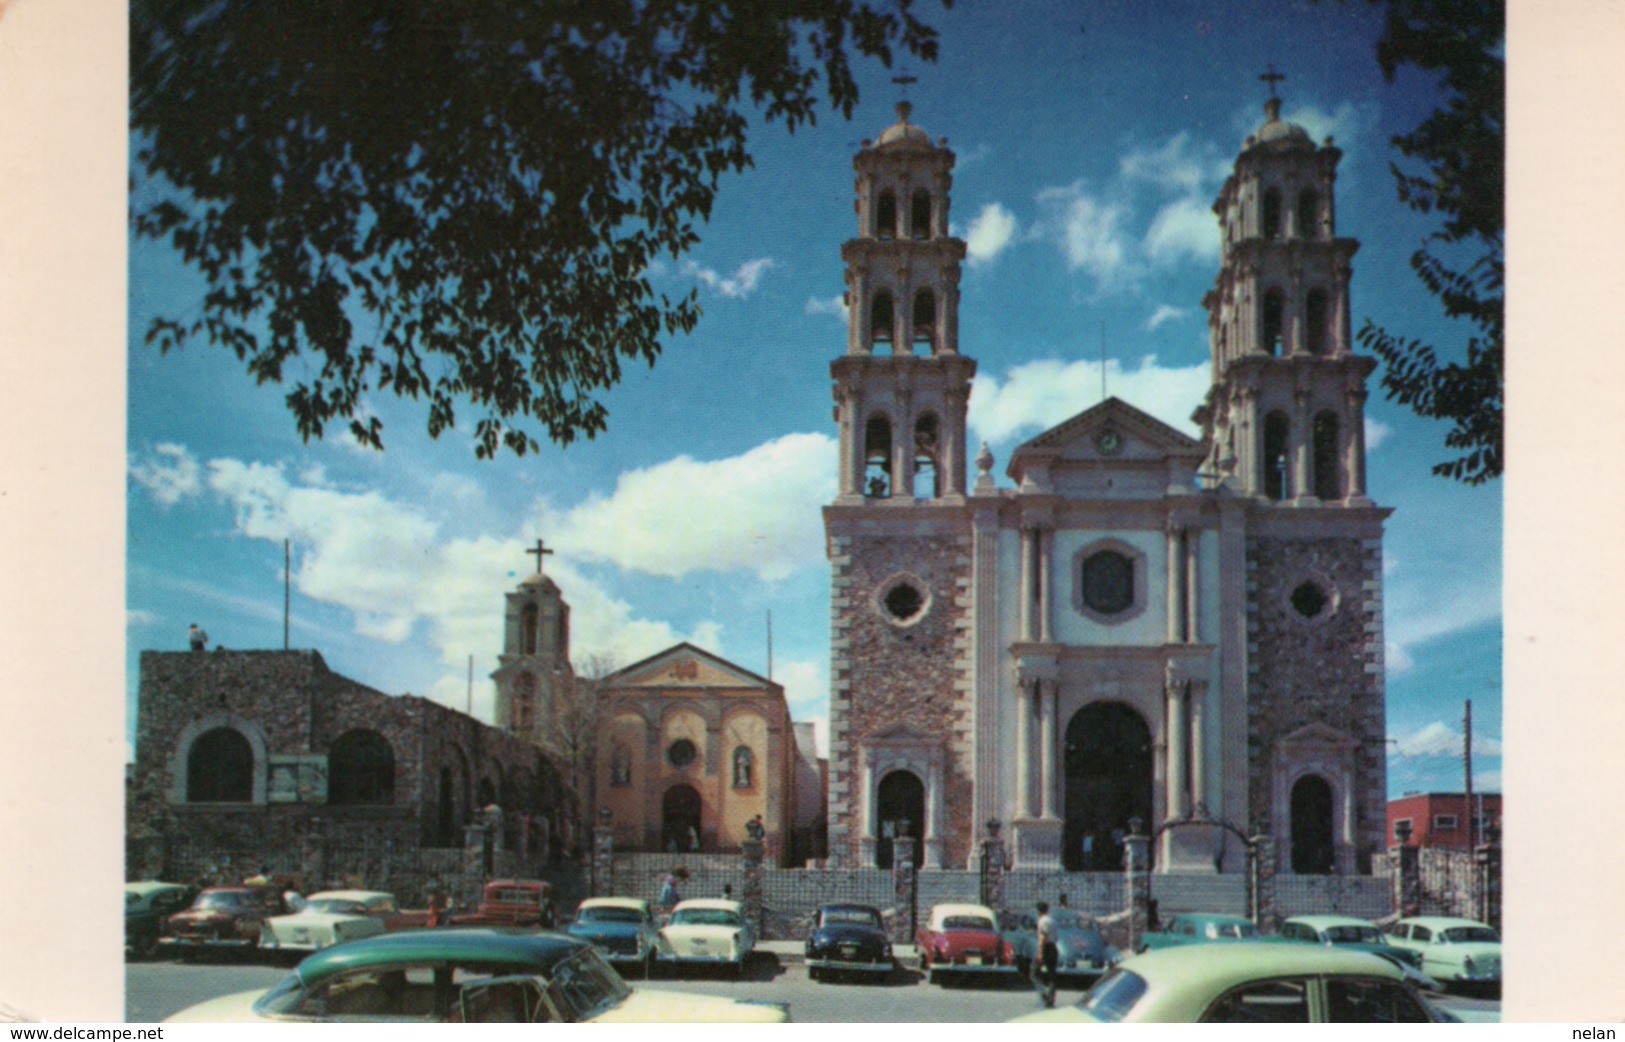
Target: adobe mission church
(1145, 625)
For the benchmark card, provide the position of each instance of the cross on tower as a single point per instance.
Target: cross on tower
(539, 551)
(1272, 78)
(903, 81)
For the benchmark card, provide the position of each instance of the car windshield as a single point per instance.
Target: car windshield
(1071, 921)
(335, 906)
(1232, 930)
(603, 914)
(855, 916)
(226, 900)
(514, 896)
(704, 917)
(1354, 935)
(1464, 934)
(1115, 995)
(585, 983)
(967, 922)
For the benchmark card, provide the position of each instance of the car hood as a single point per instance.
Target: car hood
(602, 931)
(1062, 1015)
(720, 933)
(236, 1008)
(850, 932)
(653, 1007)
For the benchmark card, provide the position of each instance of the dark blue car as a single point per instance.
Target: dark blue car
(848, 938)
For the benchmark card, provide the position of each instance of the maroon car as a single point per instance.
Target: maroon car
(960, 940)
(512, 902)
(222, 917)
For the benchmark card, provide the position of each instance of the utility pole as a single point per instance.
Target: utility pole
(1467, 761)
(287, 581)
(770, 643)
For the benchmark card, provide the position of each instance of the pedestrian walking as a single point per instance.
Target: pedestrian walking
(669, 895)
(1046, 957)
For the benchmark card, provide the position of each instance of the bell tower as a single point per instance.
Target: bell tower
(898, 531)
(533, 672)
(1285, 417)
(902, 388)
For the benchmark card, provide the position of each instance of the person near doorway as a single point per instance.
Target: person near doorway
(1043, 971)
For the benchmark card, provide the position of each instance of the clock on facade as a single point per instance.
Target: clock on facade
(1109, 442)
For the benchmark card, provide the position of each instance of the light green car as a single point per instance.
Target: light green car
(1250, 982)
(1459, 951)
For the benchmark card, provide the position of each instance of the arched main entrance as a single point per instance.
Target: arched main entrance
(1312, 852)
(220, 768)
(680, 819)
(1107, 762)
(899, 811)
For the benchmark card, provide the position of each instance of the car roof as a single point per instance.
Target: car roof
(533, 884)
(151, 886)
(1443, 922)
(1211, 917)
(1320, 922)
(709, 902)
(637, 903)
(349, 895)
(470, 944)
(1221, 965)
(847, 906)
(941, 912)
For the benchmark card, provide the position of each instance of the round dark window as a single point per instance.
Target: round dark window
(1308, 600)
(904, 602)
(1108, 582)
(681, 753)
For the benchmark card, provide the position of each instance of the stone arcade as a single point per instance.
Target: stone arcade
(1145, 626)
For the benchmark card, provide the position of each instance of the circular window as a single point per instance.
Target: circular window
(681, 753)
(1108, 582)
(904, 602)
(1309, 600)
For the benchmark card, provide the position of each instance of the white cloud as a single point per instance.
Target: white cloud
(1178, 165)
(1376, 432)
(989, 234)
(828, 306)
(1342, 124)
(1088, 231)
(1487, 781)
(1185, 228)
(170, 474)
(738, 285)
(756, 512)
(1165, 313)
(1396, 659)
(1440, 739)
(806, 689)
(137, 617)
(1037, 395)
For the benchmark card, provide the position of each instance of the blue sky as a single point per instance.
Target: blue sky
(1091, 141)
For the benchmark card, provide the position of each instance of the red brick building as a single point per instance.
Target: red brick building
(1441, 819)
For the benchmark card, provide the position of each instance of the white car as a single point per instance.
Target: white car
(708, 930)
(1454, 951)
(328, 918)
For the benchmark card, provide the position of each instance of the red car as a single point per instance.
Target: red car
(512, 902)
(958, 940)
(223, 917)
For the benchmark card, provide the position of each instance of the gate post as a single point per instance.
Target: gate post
(312, 857)
(1137, 883)
(903, 894)
(1487, 859)
(992, 881)
(1261, 902)
(1406, 865)
(476, 854)
(602, 881)
(752, 897)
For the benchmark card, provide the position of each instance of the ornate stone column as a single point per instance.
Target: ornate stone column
(1193, 585)
(1026, 694)
(902, 446)
(1300, 443)
(1198, 700)
(1355, 459)
(1046, 582)
(1048, 694)
(1028, 593)
(1178, 744)
(1172, 533)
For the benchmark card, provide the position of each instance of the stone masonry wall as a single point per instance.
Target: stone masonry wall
(884, 674)
(1327, 669)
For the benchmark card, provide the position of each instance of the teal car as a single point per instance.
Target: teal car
(1453, 951)
(1201, 928)
(1080, 948)
(463, 975)
(1250, 982)
(1344, 931)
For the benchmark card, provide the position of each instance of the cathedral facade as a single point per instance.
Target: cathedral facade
(1147, 629)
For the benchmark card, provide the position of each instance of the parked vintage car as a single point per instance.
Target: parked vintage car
(460, 975)
(1344, 931)
(379, 904)
(1454, 951)
(622, 929)
(1201, 928)
(1081, 949)
(961, 939)
(223, 918)
(708, 930)
(1250, 982)
(848, 938)
(146, 906)
(325, 920)
(512, 902)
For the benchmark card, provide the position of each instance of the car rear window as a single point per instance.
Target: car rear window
(1464, 934)
(967, 922)
(1114, 996)
(856, 916)
(704, 917)
(610, 915)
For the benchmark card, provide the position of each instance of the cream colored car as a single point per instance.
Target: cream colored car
(709, 931)
(328, 918)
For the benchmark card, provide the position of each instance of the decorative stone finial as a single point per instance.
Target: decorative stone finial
(984, 459)
(904, 109)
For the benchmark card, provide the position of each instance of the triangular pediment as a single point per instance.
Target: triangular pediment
(1087, 435)
(685, 665)
(898, 734)
(1318, 734)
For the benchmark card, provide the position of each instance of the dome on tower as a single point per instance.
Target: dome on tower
(904, 133)
(1277, 131)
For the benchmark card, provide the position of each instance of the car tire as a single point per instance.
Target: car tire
(815, 974)
(933, 977)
